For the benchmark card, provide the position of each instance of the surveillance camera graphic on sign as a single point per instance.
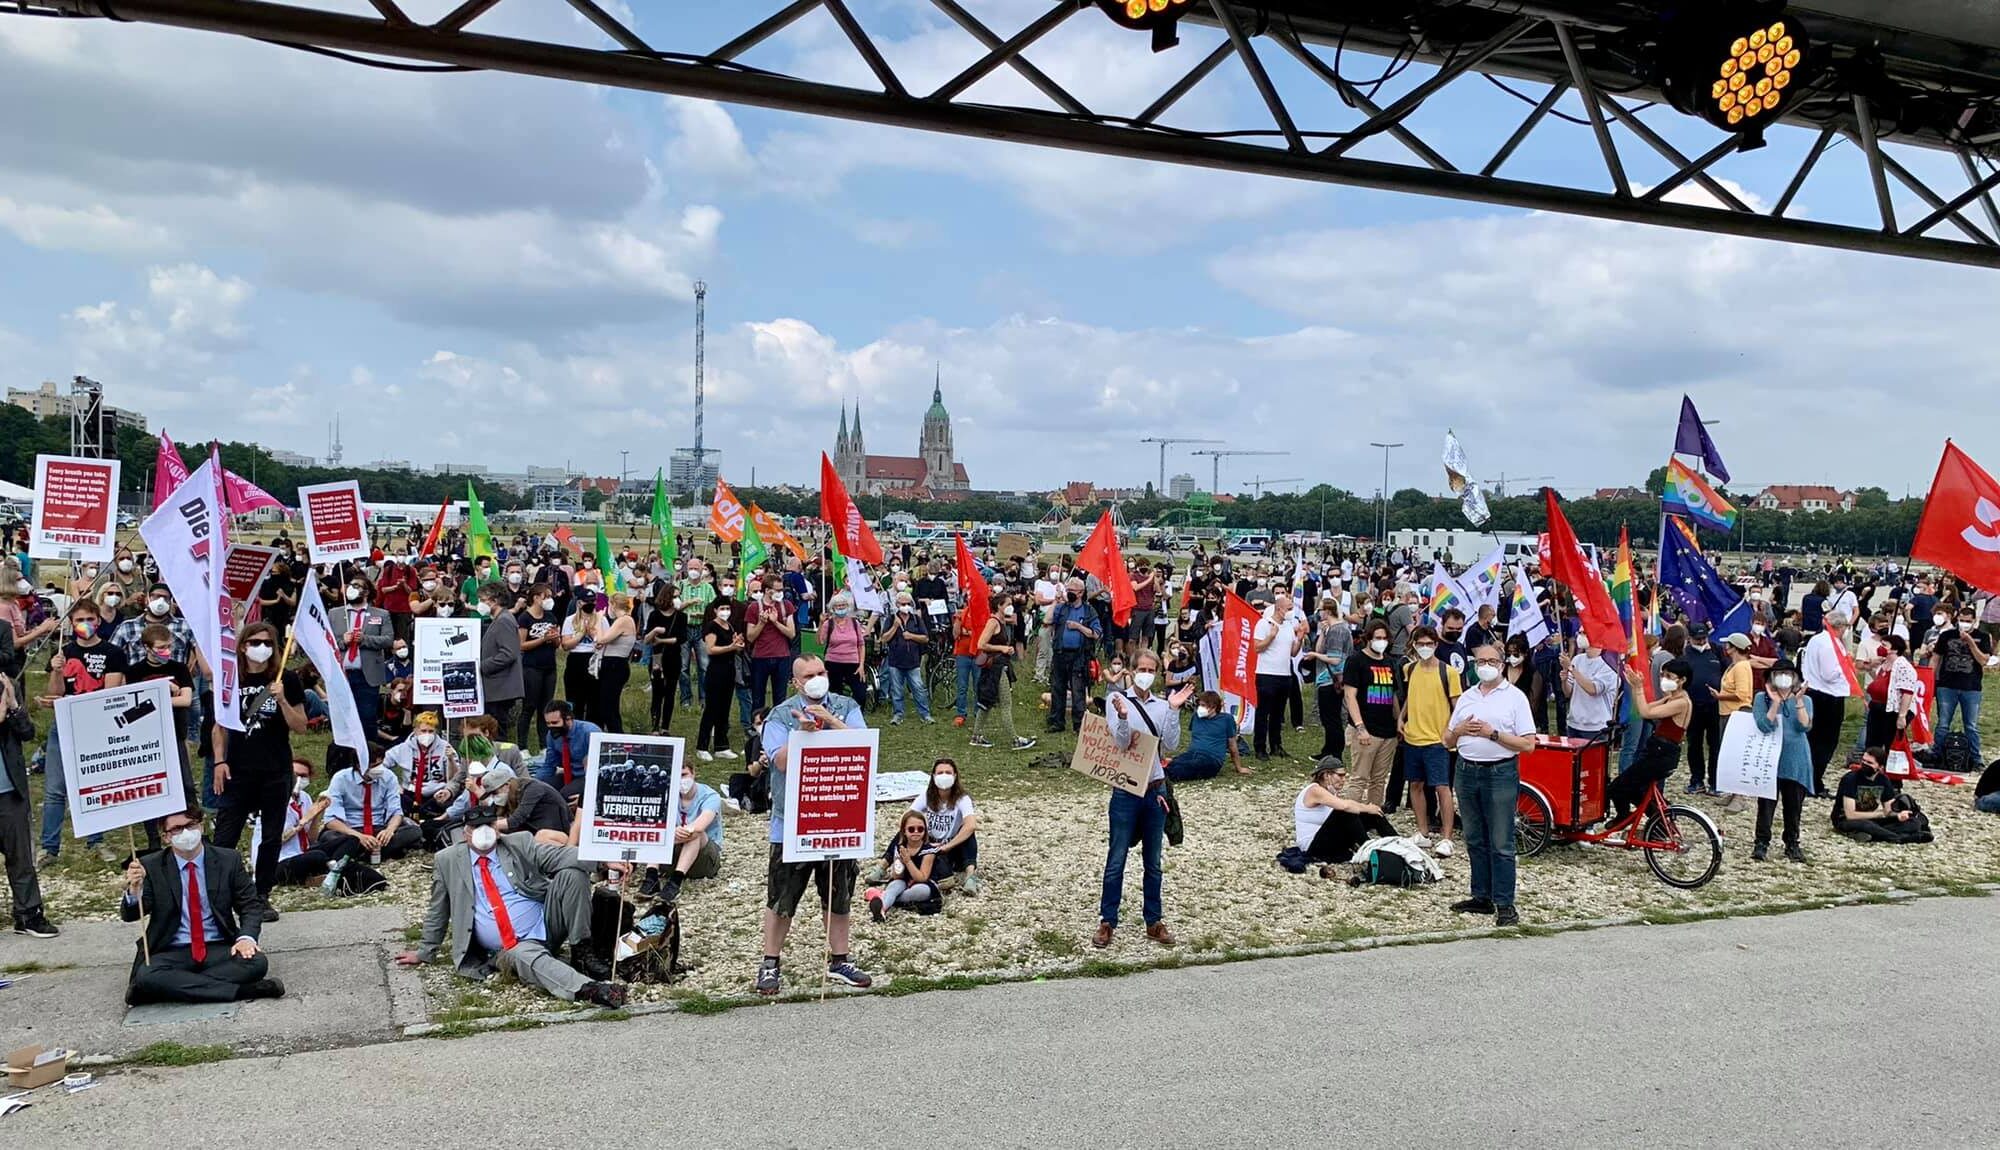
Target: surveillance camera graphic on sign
(1986, 513)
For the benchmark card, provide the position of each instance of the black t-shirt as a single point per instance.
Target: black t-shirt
(264, 746)
(721, 668)
(174, 671)
(84, 669)
(1377, 683)
(1869, 794)
(276, 587)
(541, 809)
(1961, 660)
(542, 658)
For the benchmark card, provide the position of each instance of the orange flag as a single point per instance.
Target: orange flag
(769, 531)
(1100, 556)
(725, 515)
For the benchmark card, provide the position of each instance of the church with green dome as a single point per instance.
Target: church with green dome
(932, 472)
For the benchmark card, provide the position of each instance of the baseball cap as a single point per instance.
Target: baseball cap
(1739, 641)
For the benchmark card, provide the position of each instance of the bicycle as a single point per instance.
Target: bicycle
(1682, 845)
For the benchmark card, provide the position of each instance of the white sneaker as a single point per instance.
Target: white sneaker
(1423, 841)
(725, 754)
(1617, 840)
(1444, 848)
(704, 756)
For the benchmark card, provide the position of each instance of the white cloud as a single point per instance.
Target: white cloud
(89, 229)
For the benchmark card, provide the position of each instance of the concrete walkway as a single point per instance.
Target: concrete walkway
(1859, 1027)
(342, 989)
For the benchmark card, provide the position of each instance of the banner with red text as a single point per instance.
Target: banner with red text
(335, 521)
(75, 513)
(829, 795)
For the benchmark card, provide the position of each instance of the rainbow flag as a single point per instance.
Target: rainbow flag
(1621, 580)
(1688, 494)
(1444, 592)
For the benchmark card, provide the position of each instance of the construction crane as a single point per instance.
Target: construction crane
(1258, 485)
(1500, 484)
(1161, 490)
(1215, 465)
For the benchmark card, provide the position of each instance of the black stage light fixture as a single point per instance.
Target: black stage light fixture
(1159, 16)
(1736, 65)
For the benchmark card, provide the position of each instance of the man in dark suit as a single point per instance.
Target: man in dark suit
(203, 918)
(363, 634)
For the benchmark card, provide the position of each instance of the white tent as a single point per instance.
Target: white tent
(14, 491)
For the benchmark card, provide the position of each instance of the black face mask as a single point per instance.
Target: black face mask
(1452, 636)
(558, 731)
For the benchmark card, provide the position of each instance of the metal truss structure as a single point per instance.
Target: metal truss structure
(1882, 88)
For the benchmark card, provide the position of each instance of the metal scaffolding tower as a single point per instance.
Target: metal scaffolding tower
(86, 418)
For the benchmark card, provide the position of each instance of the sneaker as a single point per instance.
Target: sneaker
(1444, 848)
(670, 890)
(609, 995)
(1617, 840)
(875, 908)
(109, 854)
(704, 756)
(45, 860)
(981, 741)
(768, 980)
(1694, 788)
(849, 974)
(725, 754)
(1760, 852)
(1024, 743)
(649, 886)
(972, 884)
(37, 926)
(1795, 853)
(1423, 842)
(1506, 916)
(1473, 906)
(896, 720)
(928, 721)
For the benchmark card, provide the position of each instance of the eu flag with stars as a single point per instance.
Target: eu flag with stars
(1702, 594)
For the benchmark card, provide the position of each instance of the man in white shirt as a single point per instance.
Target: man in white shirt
(1592, 687)
(1278, 639)
(1826, 682)
(1048, 593)
(1491, 727)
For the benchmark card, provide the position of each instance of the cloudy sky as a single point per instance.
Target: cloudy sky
(241, 241)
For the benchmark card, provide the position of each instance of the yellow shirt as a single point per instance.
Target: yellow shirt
(1737, 688)
(1428, 711)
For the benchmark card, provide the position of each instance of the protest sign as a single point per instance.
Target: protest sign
(629, 802)
(120, 756)
(334, 521)
(1749, 759)
(1015, 545)
(1097, 755)
(75, 513)
(447, 666)
(829, 792)
(244, 568)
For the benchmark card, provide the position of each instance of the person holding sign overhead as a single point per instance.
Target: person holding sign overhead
(812, 707)
(1140, 818)
(202, 920)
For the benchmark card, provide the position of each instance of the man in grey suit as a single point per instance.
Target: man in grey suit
(362, 632)
(512, 903)
(500, 654)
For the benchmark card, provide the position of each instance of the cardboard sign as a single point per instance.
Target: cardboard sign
(1748, 763)
(1014, 545)
(829, 795)
(335, 521)
(1097, 755)
(630, 806)
(244, 568)
(75, 514)
(120, 756)
(446, 670)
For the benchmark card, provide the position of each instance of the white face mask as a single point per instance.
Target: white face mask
(550, 604)
(904, 608)
(1205, 712)
(113, 600)
(687, 784)
(186, 840)
(1782, 682)
(514, 580)
(1756, 628)
(258, 652)
(299, 785)
(1487, 672)
(1669, 685)
(444, 610)
(722, 616)
(1939, 620)
(1426, 651)
(483, 838)
(401, 652)
(944, 781)
(125, 566)
(1513, 660)
(1143, 680)
(729, 590)
(354, 594)
(1965, 625)
(426, 738)
(1378, 645)
(815, 688)
(430, 584)
(159, 606)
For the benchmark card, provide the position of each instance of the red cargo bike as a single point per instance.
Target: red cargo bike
(1562, 794)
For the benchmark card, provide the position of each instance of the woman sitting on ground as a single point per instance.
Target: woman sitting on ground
(915, 869)
(1211, 740)
(1330, 828)
(952, 823)
(1661, 753)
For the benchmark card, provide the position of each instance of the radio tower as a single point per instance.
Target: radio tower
(333, 444)
(691, 471)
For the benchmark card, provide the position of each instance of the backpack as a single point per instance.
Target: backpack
(1394, 860)
(1954, 753)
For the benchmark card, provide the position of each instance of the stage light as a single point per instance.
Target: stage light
(1157, 16)
(1733, 68)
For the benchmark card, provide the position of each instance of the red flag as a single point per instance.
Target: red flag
(850, 530)
(1840, 652)
(435, 535)
(168, 470)
(1960, 527)
(978, 599)
(565, 538)
(1239, 647)
(1570, 566)
(1100, 556)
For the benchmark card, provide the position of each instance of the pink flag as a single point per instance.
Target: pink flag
(168, 471)
(245, 496)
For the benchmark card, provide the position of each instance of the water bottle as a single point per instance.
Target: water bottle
(332, 882)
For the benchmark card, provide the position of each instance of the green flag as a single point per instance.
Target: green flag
(605, 563)
(478, 536)
(839, 563)
(754, 551)
(663, 519)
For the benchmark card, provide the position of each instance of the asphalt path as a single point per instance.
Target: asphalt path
(1863, 1026)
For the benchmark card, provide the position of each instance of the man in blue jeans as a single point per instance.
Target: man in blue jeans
(1140, 818)
(1959, 656)
(1076, 634)
(1491, 727)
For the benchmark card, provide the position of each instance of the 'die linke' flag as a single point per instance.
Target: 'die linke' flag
(1960, 528)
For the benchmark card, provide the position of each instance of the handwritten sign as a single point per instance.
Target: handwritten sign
(829, 795)
(1097, 755)
(75, 510)
(1749, 759)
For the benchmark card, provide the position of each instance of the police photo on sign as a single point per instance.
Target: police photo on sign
(628, 809)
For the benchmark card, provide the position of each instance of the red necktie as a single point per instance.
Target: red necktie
(197, 920)
(565, 754)
(422, 774)
(354, 620)
(367, 807)
(500, 920)
(299, 813)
